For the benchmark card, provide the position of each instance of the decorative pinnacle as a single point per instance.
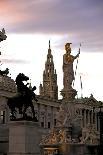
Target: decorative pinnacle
(49, 44)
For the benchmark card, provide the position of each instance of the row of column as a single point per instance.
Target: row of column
(46, 115)
(89, 117)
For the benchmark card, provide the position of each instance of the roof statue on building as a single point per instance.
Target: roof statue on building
(6, 83)
(2, 38)
(4, 72)
(22, 100)
(2, 35)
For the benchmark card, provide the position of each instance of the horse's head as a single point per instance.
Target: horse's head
(21, 77)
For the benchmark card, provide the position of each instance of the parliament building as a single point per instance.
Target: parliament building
(79, 115)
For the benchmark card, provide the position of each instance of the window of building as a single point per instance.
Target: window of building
(42, 124)
(2, 115)
(54, 122)
(48, 124)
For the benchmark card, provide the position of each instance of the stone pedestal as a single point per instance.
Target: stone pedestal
(69, 94)
(24, 138)
(76, 149)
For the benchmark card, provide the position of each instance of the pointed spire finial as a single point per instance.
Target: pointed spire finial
(49, 44)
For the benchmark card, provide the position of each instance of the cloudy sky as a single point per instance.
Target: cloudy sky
(29, 25)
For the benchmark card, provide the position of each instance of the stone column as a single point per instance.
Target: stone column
(85, 118)
(39, 113)
(92, 117)
(24, 138)
(52, 118)
(88, 116)
(83, 121)
(96, 121)
(45, 116)
(81, 118)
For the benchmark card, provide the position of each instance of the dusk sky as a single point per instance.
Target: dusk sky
(30, 24)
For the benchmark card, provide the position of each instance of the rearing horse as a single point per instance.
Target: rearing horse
(24, 97)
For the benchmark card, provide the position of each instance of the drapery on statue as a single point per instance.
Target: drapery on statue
(23, 99)
(68, 60)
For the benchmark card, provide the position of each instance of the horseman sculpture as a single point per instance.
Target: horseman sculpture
(23, 98)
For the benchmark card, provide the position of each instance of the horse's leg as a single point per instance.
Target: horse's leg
(24, 111)
(13, 113)
(20, 110)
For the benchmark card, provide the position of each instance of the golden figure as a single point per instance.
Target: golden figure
(69, 57)
(68, 60)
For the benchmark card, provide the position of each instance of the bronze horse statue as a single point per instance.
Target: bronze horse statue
(23, 99)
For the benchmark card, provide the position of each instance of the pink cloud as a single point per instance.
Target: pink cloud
(13, 12)
(82, 18)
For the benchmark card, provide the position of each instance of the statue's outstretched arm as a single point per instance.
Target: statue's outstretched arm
(77, 55)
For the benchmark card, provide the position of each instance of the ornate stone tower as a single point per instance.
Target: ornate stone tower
(68, 92)
(49, 88)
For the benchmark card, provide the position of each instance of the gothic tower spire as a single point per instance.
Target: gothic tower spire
(49, 88)
(49, 44)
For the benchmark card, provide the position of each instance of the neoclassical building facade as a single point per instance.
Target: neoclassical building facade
(49, 109)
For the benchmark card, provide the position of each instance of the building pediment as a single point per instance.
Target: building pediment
(91, 101)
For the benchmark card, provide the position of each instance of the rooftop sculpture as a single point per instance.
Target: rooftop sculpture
(2, 38)
(2, 35)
